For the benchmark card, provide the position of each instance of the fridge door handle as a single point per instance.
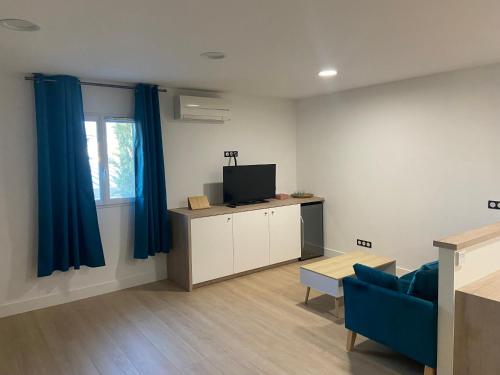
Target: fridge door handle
(301, 233)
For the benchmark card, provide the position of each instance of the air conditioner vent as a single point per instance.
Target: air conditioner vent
(201, 109)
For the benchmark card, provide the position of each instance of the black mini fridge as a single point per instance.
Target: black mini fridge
(312, 230)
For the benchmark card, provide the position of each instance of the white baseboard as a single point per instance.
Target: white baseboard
(333, 253)
(52, 299)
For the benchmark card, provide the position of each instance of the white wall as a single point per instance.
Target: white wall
(404, 163)
(20, 289)
(263, 130)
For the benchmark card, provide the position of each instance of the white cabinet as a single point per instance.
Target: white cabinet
(284, 233)
(211, 247)
(251, 240)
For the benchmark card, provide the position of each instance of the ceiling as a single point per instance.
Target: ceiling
(273, 47)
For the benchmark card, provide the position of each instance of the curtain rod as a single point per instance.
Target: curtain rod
(30, 78)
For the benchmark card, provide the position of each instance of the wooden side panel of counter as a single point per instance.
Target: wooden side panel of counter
(477, 327)
(179, 258)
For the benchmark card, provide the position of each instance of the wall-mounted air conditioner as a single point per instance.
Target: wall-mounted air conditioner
(200, 109)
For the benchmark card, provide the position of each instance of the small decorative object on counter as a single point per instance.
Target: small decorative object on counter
(198, 203)
(302, 194)
(282, 196)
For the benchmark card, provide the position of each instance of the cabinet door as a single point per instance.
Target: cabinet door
(251, 240)
(211, 247)
(284, 233)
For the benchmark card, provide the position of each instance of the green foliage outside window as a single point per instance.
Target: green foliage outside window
(122, 161)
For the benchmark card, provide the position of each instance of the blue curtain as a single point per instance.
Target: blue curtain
(68, 232)
(151, 216)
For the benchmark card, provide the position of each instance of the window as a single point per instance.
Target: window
(110, 144)
(93, 150)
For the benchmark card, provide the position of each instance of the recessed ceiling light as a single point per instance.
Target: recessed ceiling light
(213, 55)
(328, 73)
(192, 105)
(18, 25)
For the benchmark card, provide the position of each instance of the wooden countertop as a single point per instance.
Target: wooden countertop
(470, 237)
(487, 287)
(341, 266)
(224, 210)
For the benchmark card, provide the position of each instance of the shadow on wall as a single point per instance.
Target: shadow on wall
(214, 192)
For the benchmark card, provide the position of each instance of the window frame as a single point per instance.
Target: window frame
(102, 142)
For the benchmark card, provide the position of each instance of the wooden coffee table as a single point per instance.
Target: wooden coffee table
(326, 275)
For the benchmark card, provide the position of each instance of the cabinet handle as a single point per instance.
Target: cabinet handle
(265, 213)
(302, 234)
(228, 219)
(272, 212)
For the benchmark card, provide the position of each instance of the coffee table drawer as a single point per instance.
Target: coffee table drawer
(321, 283)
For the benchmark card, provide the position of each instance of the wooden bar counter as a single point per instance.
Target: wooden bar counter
(477, 327)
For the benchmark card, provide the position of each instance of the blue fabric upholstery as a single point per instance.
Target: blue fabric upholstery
(405, 281)
(404, 323)
(431, 266)
(425, 283)
(376, 277)
(68, 232)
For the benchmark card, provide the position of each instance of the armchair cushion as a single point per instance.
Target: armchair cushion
(405, 281)
(425, 284)
(376, 277)
(431, 266)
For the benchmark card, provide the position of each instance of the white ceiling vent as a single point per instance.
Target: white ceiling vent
(200, 109)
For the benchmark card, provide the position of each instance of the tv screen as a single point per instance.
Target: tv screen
(249, 183)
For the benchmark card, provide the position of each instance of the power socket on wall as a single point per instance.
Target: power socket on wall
(364, 243)
(494, 205)
(230, 154)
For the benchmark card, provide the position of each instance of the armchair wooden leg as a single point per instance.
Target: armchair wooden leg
(429, 371)
(307, 294)
(351, 339)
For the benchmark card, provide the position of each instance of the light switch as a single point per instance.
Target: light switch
(459, 258)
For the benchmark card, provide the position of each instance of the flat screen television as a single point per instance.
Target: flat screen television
(245, 184)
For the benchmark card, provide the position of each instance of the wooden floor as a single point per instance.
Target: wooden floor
(256, 324)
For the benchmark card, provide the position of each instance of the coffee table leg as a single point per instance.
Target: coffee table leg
(337, 307)
(307, 294)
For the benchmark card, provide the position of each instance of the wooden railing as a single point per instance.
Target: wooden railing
(463, 258)
(469, 238)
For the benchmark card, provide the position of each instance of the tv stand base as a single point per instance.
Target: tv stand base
(233, 205)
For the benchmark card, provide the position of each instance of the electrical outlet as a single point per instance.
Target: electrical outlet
(230, 154)
(494, 205)
(364, 243)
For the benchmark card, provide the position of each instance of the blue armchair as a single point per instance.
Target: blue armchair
(393, 317)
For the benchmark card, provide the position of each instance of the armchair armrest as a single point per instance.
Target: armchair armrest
(402, 322)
